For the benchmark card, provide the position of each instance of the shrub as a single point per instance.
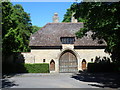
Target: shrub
(102, 67)
(37, 68)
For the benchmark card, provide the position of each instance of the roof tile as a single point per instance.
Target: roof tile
(50, 35)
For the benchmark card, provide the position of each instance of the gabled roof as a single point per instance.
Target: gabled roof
(50, 35)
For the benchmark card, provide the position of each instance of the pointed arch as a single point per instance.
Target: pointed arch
(83, 64)
(52, 65)
(68, 61)
(68, 49)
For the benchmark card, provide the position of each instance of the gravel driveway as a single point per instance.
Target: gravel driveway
(53, 80)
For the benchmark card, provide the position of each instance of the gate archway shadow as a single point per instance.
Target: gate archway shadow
(102, 80)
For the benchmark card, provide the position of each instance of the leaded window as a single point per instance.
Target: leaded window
(67, 40)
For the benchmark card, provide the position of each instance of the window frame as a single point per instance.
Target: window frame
(67, 40)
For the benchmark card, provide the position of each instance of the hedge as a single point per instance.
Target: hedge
(102, 67)
(8, 68)
(37, 68)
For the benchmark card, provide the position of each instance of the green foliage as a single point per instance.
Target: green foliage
(68, 15)
(103, 19)
(102, 67)
(16, 28)
(25, 68)
(37, 68)
(35, 28)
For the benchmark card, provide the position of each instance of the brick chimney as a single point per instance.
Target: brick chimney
(55, 18)
(73, 20)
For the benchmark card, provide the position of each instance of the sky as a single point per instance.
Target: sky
(42, 12)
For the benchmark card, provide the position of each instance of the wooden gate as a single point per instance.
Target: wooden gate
(83, 64)
(68, 62)
(52, 65)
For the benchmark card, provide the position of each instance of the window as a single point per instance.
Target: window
(67, 40)
(43, 60)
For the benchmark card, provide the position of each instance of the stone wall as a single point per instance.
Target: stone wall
(89, 54)
(29, 57)
(41, 55)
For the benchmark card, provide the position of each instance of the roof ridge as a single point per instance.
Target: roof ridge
(64, 23)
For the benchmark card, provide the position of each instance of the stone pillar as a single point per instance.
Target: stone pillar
(73, 20)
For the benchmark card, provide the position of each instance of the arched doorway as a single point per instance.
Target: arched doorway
(52, 65)
(83, 64)
(68, 62)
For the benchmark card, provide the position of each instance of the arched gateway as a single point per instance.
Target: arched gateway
(68, 62)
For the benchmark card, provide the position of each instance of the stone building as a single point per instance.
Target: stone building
(57, 45)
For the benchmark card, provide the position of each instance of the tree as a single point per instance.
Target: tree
(16, 28)
(68, 15)
(35, 28)
(103, 20)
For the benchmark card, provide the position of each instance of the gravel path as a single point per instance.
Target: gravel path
(54, 80)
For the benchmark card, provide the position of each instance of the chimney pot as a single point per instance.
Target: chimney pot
(55, 18)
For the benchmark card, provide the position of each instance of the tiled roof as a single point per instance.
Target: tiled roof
(50, 35)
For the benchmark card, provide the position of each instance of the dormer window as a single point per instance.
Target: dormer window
(67, 40)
